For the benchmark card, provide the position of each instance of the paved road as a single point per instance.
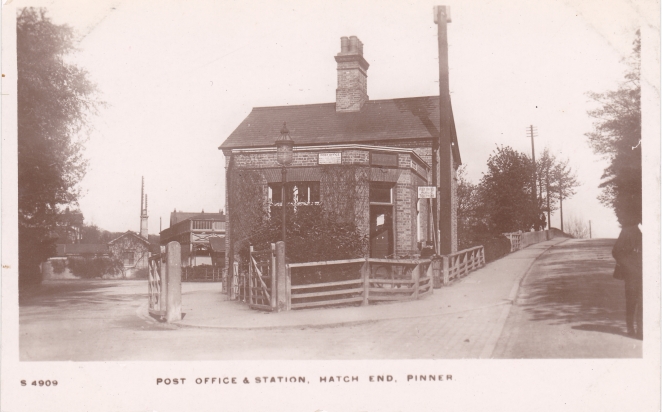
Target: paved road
(569, 306)
(95, 320)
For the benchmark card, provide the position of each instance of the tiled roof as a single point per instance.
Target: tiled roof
(379, 121)
(81, 249)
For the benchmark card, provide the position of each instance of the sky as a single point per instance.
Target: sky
(178, 77)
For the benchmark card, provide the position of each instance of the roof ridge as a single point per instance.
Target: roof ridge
(288, 106)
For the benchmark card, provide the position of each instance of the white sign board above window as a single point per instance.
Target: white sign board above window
(330, 158)
(427, 192)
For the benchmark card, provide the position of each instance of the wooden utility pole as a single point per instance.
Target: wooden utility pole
(590, 235)
(561, 203)
(532, 131)
(442, 18)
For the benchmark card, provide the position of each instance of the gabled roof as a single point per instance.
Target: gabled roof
(130, 233)
(378, 121)
(81, 249)
(176, 217)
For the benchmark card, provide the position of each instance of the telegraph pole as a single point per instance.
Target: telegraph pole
(442, 18)
(533, 132)
(590, 235)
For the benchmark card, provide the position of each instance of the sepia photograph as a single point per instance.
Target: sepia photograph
(366, 206)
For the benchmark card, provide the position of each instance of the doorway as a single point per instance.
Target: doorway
(381, 231)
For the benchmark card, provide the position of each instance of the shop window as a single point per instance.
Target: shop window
(295, 192)
(381, 192)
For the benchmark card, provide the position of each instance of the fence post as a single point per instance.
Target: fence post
(250, 275)
(234, 281)
(173, 282)
(288, 289)
(415, 274)
(436, 274)
(274, 285)
(430, 276)
(365, 274)
(281, 278)
(445, 270)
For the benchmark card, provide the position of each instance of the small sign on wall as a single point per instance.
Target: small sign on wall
(330, 158)
(427, 192)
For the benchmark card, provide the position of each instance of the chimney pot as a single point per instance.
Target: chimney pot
(353, 44)
(344, 44)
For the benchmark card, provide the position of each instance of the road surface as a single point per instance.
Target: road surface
(568, 307)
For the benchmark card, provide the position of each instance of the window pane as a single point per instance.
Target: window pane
(314, 192)
(276, 193)
(306, 192)
(380, 193)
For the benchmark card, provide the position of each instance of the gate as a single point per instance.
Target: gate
(253, 281)
(157, 305)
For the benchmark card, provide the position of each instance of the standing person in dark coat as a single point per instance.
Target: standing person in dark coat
(629, 267)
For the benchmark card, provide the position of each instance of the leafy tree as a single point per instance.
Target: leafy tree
(69, 224)
(556, 181)
(616, 136)
(55, 101)
(468, 204)
(547, 194)
(565, 180)
(505, 192)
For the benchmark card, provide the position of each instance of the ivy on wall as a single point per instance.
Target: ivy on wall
(315, 232)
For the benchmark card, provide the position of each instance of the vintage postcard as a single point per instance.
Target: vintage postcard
(330, 206)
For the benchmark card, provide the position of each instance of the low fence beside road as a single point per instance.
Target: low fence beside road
(270, 284)
(520, 240)
(459, 264)
(358, 281)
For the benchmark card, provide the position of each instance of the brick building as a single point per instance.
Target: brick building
(389, 142)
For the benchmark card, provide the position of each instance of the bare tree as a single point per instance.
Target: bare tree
(577, 227)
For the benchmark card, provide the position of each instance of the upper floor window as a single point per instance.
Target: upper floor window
(295, 192)
(202, 224)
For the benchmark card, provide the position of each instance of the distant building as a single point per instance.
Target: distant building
(199, 235)
(131, 248)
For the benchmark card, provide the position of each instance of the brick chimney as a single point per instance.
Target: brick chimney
(352, 91)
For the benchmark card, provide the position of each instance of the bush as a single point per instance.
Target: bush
(312, 235)
(141, 273)
(58, 265)
(90, 268)
(496, 246)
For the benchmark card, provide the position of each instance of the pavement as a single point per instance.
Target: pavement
(472, 310)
